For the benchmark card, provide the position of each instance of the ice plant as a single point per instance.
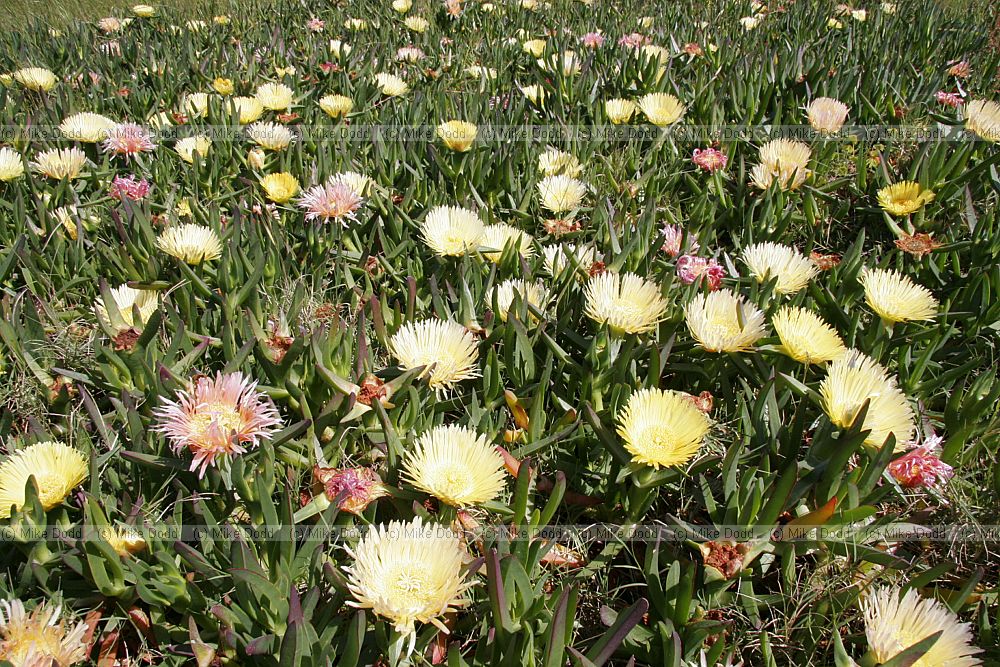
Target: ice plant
(784, 162)
(391, 85)
(56, 467)
(336, 106)
(409, 573)
(983, 118)
(456, 465)
(353, 489)
(554, 162)
(560, 257)
(531, 292)
(854, 379)
(619, 110)
(188, 146)
(11, 165)
(896, 298)
(770, 261)
(691, 268)
(953, 100)
(248, 109)
(805, 337)
(128, 188)
(894, 621)
(827, 115)
(128, 139)
(904, 198)
(275, 96)
(627, 303)
(673, 238)
(60, 163)
(662, 428)
(496, 237)
(723, 322)
(280, 187)
(125, 541)
(446, 348)
(191, 243)
(270, 136)
(86, 127)
(217, 418)
(661, 109)
(452, 231)
(37, 79)
(922, 466)
(333, 201)
(709, 159)
(592, 40)
(41, 638)
(458, 135)
(561, 194)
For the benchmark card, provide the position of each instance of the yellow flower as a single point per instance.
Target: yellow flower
(190, 243)
(223, 86)
(452, 231)
(827, 115)
(662, 428)
(11, 164)
(457, 135)
(391, 85)
(126, 301)
(983, 118)
(249, 109)
(896, 298)
(896, 621)
(408, 573)
(805, 337)
(56, 467)
(661, 109)
(280, 187)
(455, 465)
(401, 6)
(783, 161)
(60, 163)
(619, 110)
(627, 303)
(560, 257)
(67, 217)
(284, 71)
(41, 638)
(271, 136)
(125, 541)
(275, 96)
(535, 93)
(531, 292)
(904, 198)
(339, 49)
(535, 47)
(792, 269)
(37, 79)
(356, 24)
(561, 194)
(496, 237)
(221, 19)
(87, 127)
(446, 348)
(554, 162)
(853, 379)
(724, 322)
(417, 24)
(188, 146)
(336, 105)
(195, 104)
(144, 11)
(567, 62)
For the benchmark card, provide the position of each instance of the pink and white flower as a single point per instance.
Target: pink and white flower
(691, 268)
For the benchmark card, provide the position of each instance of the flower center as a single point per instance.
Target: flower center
(409, 586)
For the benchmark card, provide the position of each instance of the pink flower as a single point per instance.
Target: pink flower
(315, 25)
(334, 200)
(953, 100)
(353, 488)
(128, 139)
(593, 40)
(710, 159)
(673, 236)
(217, 418)
(127, 187)
(634, 40)
(691, 268)
(921, 467)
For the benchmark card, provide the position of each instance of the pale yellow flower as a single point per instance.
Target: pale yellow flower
(270, 136)
(452, 230)
(661, 109)
(37, 79)
(627, 303)
(805, 337)
(417, 24)
(983, 118)
(195, 104)
(249, 109)
(896, 298)
(783, 161)
(188, 146)
(56, 467)
(535, 47)
(275, 96)
(41, 638)
(402, 6)
(190, 243)
(662, 428)
(496, 237)
(535, 93)
(554, 162)
(619, 110)
(126, 301)
(60, 163)
(528, 291)
(280, 187)
(336, 105)
(854, 379)
(458, 135)
(144, 11)
(827, 115)
(768, 261)
(11, 165)
(223, 86)
(447, 349)
(568, 256)
(86, 127)
(391, 85)
(456, 465)
(339, 49)
(561, 194)
(724, 322)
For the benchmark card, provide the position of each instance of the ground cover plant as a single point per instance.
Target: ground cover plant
(500, 333)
